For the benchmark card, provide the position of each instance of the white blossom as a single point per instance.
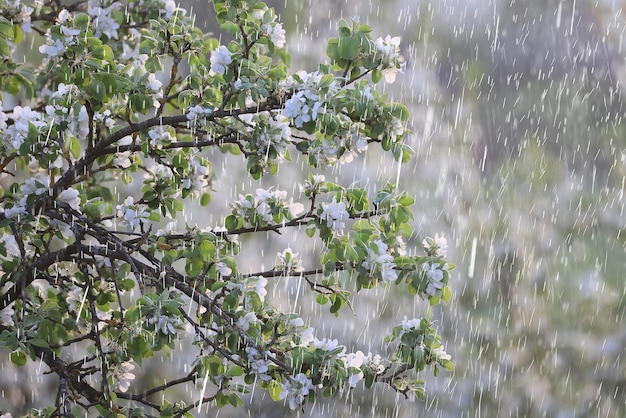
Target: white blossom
(295, 390)
(71, 197)
(122, 375)
(198, 112)
(154, 84)
(220, 60)
(275, 32)
(246, 320)
(259, 287)
(434, 273)
(437, 246)
(258, 363)
(133, 214)
(389, 48)
(6, 316)
(25, 13)
(334, 214)
(223, 269)
(326, 344)
(441, 354)
(409, 324)
(102, 20)
(159, 135)
(380, 261)
(10, 245)
(288, 261)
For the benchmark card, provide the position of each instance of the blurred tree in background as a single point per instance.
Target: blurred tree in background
(114, 298)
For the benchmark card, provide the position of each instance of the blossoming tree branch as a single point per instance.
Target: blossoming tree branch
(135, 93)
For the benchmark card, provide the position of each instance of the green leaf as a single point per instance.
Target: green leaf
(275, 390)
(229, 27)
(349, 47)
(73, 146)
(205, 199)
(377, 75)
(140, 102)
(18, 358)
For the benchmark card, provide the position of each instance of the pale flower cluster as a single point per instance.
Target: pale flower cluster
(328, 152)
(258, 363)
(101, 19)
(197, 179)
(334, 215)
(265, 204)
(392, 60)
(437, 246)
(14, 135)
(69, 36)
(122, 375)
(275, 32)
(134, 214)
(306, 104)
(434, 274)
(295, 389)
(198, 112)
(221, 58)
(76, 119)
(269, 131)
(288, 261)
(380, 262)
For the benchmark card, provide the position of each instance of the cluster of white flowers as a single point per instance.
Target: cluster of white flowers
(306, 104)
(101, 19)
(269, 130)
(197, 178)
(32, 186)
(159, 135)
(20, 14)
(313, 185)
(169, 7)
(71, 196)
(303, 107)
(122, 375)
(328, 151)
(244, 321)
(380, 262)
(295, 389)
(354, 361)
(221, 58)
(256, 284)
(410, 324)
(197, 113)
(434, 273)
(392, 60)
(133, 213)
(62, 111)
(275, 32)
(288, 261)
(258, 363)
(10, 246)
(6, 316)
(441, 354)
(437, 246)
(14, 135)
(266, 204)
(122, 159)
(334, 214)
(69, 36)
